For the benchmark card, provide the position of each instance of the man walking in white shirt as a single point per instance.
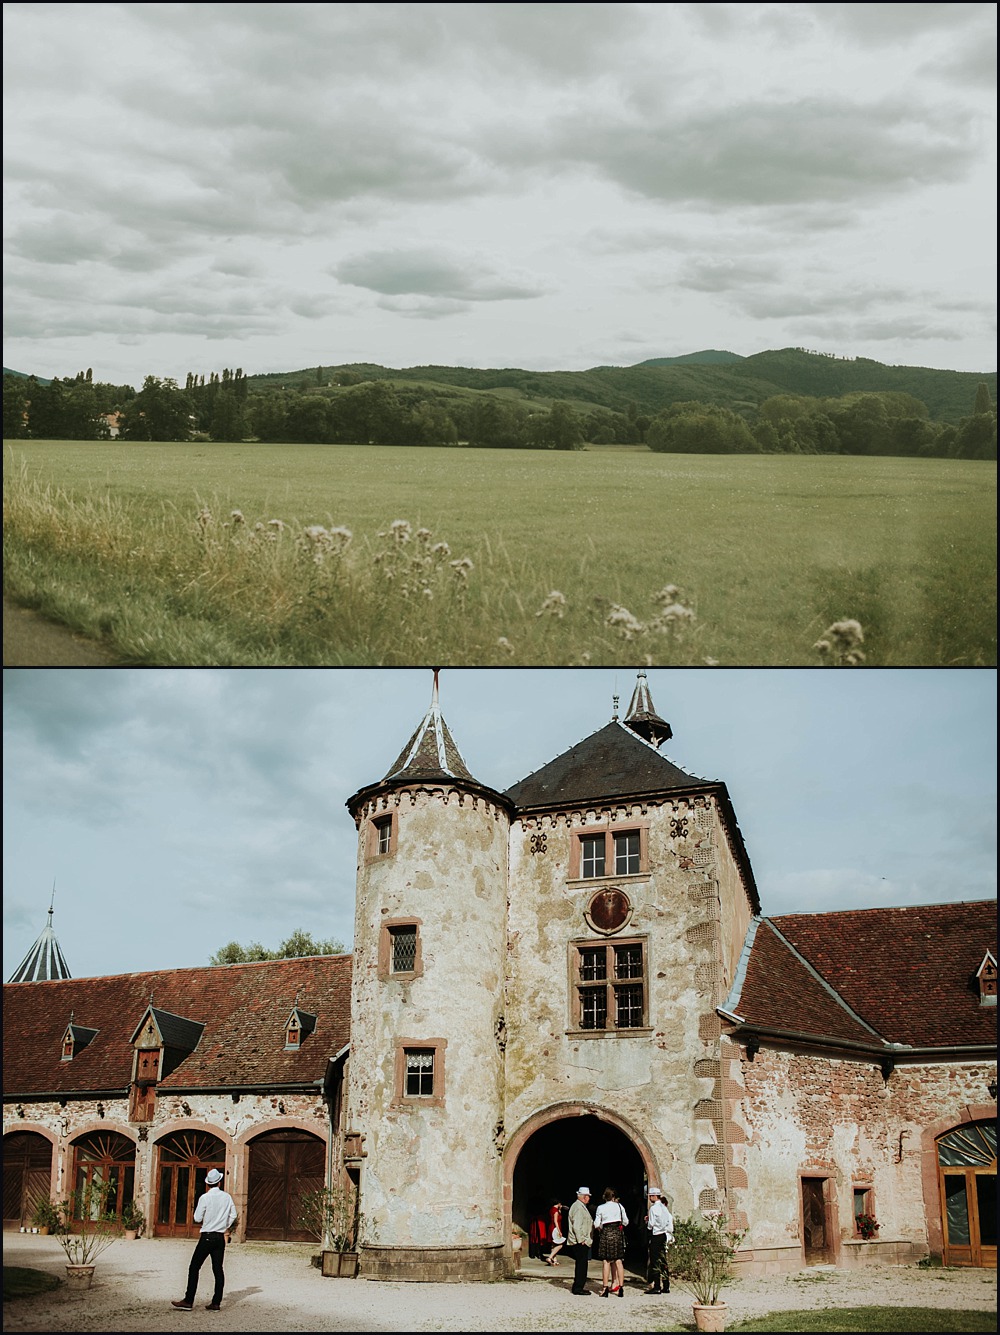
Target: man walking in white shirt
(216, 1212)
(660, 1223)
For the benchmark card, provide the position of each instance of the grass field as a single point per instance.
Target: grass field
(753, 557)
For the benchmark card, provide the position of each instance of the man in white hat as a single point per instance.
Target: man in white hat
(578, 1240)
(216, 1212)
(660, 1223)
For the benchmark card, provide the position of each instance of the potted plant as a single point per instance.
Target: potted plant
(701, 1260)
(133, 1220)
(330, 1215)
(86, 1230)
(867, 1226)
(46, 1217)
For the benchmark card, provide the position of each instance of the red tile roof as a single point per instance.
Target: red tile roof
(244, 1008)
(909, 973)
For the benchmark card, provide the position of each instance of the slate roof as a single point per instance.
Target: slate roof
(243, 1007)
(44, 959)
(611, 763)
(877, 976)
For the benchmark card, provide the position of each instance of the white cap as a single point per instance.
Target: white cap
(655, 1191)
(213, 1177)
(583, 1191)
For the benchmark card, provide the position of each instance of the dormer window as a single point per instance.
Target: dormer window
(75, 1040)
(986, 976)
(298, 1027)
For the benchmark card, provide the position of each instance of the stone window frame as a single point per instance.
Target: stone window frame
(385, 952)
(436, 1099)
(866, 1189)
(382, 823)
(577, 986)
(609, 829)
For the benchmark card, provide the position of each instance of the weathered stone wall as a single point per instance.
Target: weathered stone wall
(432, 1174)
(660, 1081)
(804, 1115)
(235, 1123)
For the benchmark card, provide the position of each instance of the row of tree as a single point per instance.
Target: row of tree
(226, 408)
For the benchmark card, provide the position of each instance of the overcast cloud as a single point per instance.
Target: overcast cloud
(179, 810)
(553, 186)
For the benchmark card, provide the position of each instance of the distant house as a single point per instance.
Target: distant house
(112, 422)
(570, 980)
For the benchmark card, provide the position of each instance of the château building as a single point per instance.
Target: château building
(568, 981)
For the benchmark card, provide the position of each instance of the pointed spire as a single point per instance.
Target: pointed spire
(642, 718)
(45, 959)
(431, 750)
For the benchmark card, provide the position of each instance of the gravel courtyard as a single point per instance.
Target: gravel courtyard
(273, 1287)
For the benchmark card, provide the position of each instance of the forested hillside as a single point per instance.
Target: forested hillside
(788, 401)
(737, 383)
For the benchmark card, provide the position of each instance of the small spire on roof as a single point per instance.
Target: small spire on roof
(431, 750)
(614, 709)
(642, 718)
(45, 959)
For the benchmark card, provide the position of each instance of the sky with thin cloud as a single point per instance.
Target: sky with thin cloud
(177, 810)
(551, 186)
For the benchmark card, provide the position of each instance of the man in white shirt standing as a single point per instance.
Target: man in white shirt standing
(216, 1212)
(660, 1223)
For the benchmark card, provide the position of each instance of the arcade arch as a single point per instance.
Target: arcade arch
(571, 1147)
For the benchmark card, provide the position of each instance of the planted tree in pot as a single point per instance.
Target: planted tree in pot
(330, 1215)
(89, 1231)
(46, 1217)
(133, 1220)
(701, 1260)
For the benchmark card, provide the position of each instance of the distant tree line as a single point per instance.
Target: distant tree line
(345, 408)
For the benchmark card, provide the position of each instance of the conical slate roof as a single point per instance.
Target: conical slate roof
(431, 751)
(44, 960)
(612, 762)
(643, 718)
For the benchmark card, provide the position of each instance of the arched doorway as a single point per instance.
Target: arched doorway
(284, 1166)
(575, 1151)
(27, 1174)
(967, 1178)
(104, 1171)
(183, 1159)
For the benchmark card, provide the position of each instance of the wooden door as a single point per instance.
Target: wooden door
(816, 1242)
(27, 1177)
(967, 1174)
(284, 1166)
(183, 1159)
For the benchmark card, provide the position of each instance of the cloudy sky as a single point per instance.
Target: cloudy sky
(551, 186)
(177, 810)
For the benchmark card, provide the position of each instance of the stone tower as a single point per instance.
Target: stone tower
(426, 1069)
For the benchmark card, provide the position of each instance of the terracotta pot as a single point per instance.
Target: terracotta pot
(79, 1276)
(131, 1234)
(710, 1317)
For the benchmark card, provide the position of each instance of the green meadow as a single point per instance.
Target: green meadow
(342, 554)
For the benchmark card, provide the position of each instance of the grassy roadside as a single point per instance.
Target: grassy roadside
(296, 555)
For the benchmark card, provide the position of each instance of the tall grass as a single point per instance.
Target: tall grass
(280, 555)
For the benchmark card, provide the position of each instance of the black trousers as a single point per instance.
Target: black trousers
(213, 1245)
(657, 1275)
(581, 1258)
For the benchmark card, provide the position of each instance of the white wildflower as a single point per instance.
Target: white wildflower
(621, 619)
(505, 644)
(400, 531)
(237, 517)
(840, 643)
(462, 567)
(553, 606)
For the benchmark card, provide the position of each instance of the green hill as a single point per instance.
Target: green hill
(729, 381)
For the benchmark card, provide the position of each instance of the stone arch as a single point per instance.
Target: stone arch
(573, 1144)
(283, 1164)
(29, 1164)
(929, 1166)
(182, 1155)
(102, 1161)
